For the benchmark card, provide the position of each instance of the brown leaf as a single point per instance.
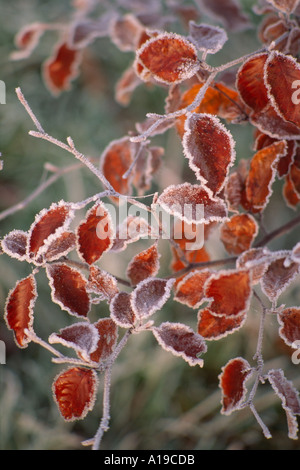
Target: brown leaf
(181, 341)
(69, 289)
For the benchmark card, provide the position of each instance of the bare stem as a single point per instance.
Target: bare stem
(33, 337)
(264, 428)
(104, 423)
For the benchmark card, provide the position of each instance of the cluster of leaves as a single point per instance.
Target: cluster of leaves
(234, 198)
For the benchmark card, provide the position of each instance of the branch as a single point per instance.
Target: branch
(278, 232)
(70, 147)
(51, 180)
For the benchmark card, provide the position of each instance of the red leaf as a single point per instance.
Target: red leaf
(95, 234)
(69, 289)
(281, 73)
(278, 276)
(46, 223)
(209, 147)
(60, 69)
(181, 341)
(108, 335)
(121, 310)
(289, 320)
(115, 161)
(19, 309)
(188, 202)
(232, 382)
(238, 233)
(74, 391)
(213, 327)
(289, 396)
(143, 265)
(190, 290)
(250, 82)
(168, 57)
(14, 244)
(253, 91)
(262, 174)
(83, 337)
(150, 295)
(102, 283)
(229, 291)
(207, 38)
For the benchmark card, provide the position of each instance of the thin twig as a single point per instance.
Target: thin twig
(103, 427)
(264, 428)
(51, 180)
(278, 232)
(104, 423)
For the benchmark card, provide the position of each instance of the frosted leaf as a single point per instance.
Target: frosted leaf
(181, 341)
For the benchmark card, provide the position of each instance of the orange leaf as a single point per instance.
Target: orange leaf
(168, 57)
(238, 233)
(60, 69)
(230, 292)
(258, 186)
(143, 265)
(213, 327)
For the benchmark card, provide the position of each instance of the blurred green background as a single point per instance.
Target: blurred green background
(158, 401)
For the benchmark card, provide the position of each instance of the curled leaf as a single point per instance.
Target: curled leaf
(19, 309)
(181, 341)
(69, 289)
(232, 383)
